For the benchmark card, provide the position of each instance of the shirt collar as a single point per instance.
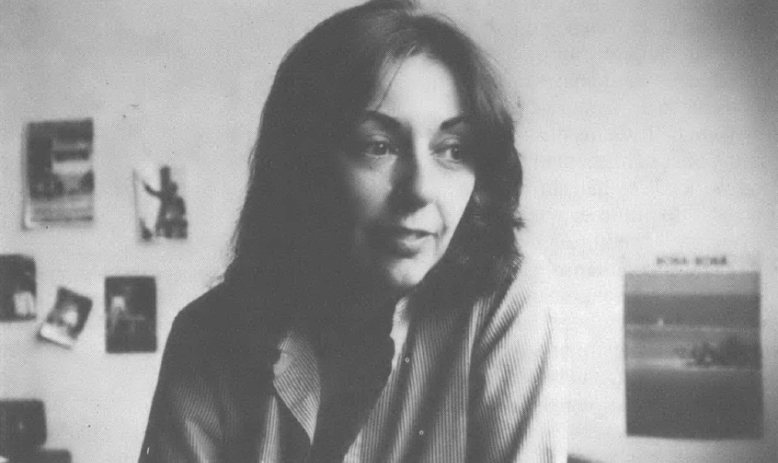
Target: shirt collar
(297, 379)
(297, 373)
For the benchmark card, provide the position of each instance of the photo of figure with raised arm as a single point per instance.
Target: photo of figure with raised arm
(160, 204)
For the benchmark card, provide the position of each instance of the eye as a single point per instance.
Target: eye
(455, 152)
(378, 148)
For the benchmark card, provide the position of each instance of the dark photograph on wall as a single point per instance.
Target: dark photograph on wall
(66, 319)
(693, 355)
(17, 287)
(130, 314)
(160, 203)
(60, 178)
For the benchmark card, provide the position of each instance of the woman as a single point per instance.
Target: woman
(377, 307)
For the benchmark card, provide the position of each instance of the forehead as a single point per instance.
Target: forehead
(418, 84)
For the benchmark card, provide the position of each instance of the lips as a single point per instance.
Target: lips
(401, 241)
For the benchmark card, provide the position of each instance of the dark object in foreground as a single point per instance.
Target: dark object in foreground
(22, 427)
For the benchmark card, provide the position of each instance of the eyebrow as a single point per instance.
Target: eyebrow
(394, 124)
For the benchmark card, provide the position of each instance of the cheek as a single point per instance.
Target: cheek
(366, 194)
(460, 190)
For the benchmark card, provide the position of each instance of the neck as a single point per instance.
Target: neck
(365, 304)
(354, 301)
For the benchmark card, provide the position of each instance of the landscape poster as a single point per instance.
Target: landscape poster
(60, 177)
(693, 355)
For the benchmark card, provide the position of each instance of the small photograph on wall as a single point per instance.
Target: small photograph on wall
(17, 287)
(60, 178)
(693, 354)
(160, 203)
(67, 318)
(130, 314)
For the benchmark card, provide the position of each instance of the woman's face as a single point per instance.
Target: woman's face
(408, 174)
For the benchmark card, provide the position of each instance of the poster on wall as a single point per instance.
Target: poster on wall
(66, 319)
(159, 203)
(60, 178)
(693, 351)
(130, 314)
(17, 287)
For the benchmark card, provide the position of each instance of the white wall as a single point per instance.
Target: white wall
(647, 126)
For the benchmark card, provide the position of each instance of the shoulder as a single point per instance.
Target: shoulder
(220, 327)
(209, 310)
(525, 303)
(519, 366)
(531, 280)
(533, 283)
(197, 328)
(211, 323)
(206, 306)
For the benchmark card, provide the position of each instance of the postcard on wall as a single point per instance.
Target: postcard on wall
(159, 203)
(60, 178)
(693, 352)
(17, 287)
(67, 318)
(130, 314)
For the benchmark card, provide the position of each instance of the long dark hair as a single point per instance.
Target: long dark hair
(289, 243)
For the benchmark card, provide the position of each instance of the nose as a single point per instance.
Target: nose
(416, 178)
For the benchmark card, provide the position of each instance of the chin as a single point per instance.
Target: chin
(403, 276)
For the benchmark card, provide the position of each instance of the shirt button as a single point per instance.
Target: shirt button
(407, 360)
(421, 432)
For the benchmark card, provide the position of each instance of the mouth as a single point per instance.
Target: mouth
(402, 241)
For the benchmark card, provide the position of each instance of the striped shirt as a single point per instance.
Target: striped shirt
(471, 383)
(400, 324)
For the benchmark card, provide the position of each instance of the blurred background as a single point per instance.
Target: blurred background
(647, 128)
